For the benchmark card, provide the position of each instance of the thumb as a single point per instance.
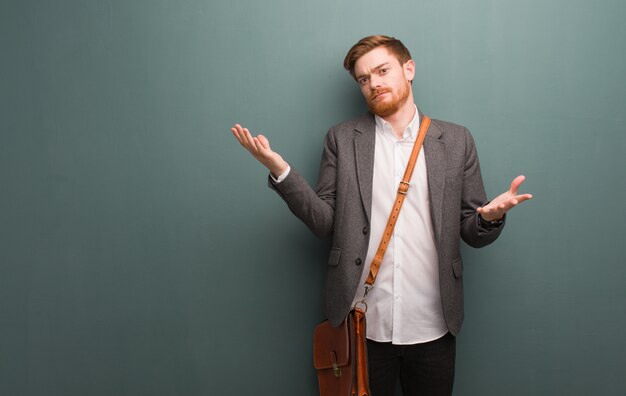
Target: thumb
(516, 183)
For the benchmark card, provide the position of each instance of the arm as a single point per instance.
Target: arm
(475, 213)
(474, 231)
(314, 208)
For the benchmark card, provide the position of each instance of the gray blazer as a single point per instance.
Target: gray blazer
(341, 204)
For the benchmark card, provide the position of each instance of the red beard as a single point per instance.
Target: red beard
(388, 106)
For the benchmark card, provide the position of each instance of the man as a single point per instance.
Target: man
(415, 309)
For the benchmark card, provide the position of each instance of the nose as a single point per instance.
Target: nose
(374, 82)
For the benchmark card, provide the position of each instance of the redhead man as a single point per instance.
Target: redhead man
(415, 309)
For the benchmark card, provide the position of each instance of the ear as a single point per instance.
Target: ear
(409, 69)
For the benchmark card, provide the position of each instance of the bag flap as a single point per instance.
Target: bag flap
(331, 343)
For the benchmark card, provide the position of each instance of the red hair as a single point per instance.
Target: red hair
(367, 44)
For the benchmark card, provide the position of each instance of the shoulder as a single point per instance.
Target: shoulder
(450, 132)
(449, 127)
(364, 121)
(345, 132)
(457, 138)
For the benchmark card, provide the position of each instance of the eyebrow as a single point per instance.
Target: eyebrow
(376, 68)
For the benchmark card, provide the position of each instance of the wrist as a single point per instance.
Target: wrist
(485, 222)
(278, 169)
(490, 219)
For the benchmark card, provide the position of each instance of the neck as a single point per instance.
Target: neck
(402, 118)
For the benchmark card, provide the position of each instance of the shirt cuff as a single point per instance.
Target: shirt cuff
(490, 224)
(282, 176)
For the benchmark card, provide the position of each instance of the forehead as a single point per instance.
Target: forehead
(373, 59)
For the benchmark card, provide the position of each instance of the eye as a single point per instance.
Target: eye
(384, 70)
(363, 80)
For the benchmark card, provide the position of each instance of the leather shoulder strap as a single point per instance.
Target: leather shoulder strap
(403, 189)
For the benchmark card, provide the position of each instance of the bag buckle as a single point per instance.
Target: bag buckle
(336, 368)
(403, 188)
(361, 304)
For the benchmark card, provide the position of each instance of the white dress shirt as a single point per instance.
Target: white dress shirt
(404, 307)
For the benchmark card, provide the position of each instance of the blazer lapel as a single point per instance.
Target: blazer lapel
(364, 143)
(434, 152)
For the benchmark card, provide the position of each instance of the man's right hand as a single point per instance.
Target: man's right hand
(260, 149)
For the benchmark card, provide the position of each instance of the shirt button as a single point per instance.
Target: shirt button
(357, 261)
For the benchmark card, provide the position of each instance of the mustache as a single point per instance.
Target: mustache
(380, 91)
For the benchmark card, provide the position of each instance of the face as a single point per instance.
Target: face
(384, 82)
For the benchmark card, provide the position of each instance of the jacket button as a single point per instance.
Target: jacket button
(365, 230)
(357, 261)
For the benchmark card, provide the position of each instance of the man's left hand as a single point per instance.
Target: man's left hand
(496, 209)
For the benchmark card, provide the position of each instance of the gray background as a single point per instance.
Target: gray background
(142, 254)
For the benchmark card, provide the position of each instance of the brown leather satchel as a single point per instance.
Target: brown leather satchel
(340, 353)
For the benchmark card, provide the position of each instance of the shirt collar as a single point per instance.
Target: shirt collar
(409, 133)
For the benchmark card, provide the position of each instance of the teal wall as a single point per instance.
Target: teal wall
(142, 254)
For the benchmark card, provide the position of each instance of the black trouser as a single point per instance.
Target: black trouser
(424, 369)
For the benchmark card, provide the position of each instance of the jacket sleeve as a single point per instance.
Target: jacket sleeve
(473, 232)
(316, 208)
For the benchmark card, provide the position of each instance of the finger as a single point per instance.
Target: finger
(259, 146)
(249, 140)
(240, 134)
(235, 132)
(505, 206)
(493, 209)
(509, 204)
(483, 210)
(264, 142)
(490, 214)
(523, 197)
(516, 183)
